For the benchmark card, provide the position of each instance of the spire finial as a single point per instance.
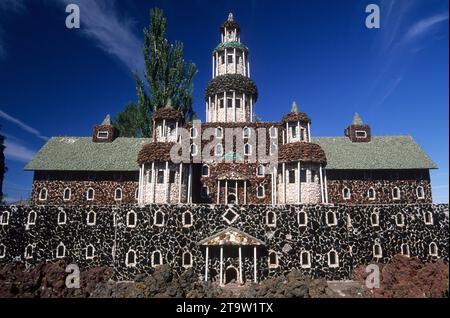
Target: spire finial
(357, 119)
(230, 16)
(294, 108)
(107, 120)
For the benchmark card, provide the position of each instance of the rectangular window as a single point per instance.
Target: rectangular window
(238, 103)
(294, 131)
(221, 103)
(222, 58)
(313, 175)
(172, 176)
(302, 175)
(160, 176)
(230, 58)
(360, 134)
(302, 135)
(150, 176)
(229, 102)
(102, 135)
(291, 176)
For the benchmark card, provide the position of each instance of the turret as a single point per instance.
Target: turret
(105, 132)
(357, 131)
(297, 125)
(165, 123)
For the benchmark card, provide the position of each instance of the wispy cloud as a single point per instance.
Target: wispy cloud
(114, 34)
(22, 125)
(17, 152)
(423, 26)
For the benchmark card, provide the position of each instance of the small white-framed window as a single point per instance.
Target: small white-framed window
(247, 149)
(90, 251)
(273, 149)
(67, 194)
(118, 194)
(273, 259)
(32, 216)
(219, 150)
(405, 249)
(60, 251)
(131, 258)
(62, 218)
(377, 250)
(43, 194)
(159, 219)
(260, 192)
(131, 219)
(2, 251)
(219, 132)
(4, 218)
(205, 171)
(193, 132)
(156, 259)
(187, 219)
(302, 218)
(204, 192)
(333, 259)
(246, 132)
(346, 194)
(375, 218)
(305, 259)
(361, 134)
(331, 218)
(428, 218)
(371, 194)
(433, 249)
(420, 192)
(90, 194)
(187, 260)
(271, 219)
(29, 251)
(103, 134)
(260, 171)
(273, 132)
(194, 150)
(91, 218)
(396, 193)
(399, 219)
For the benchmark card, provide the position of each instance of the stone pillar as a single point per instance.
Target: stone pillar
(216, 106)
(244, 110)
(206, 263)
(244, 68)
(325, 183)
(245, 191)
(226, 191)
(235, 61)
(218, 191)
(309, 132)
(153, 182)
(226, 60)
(321, 184)
(180, 178)
(225, 106)
(248, 67)
(284, 182)
(241, 281)
(208, 118)
(299, 194)
(298, 134)
(234, 106)
(213, 66)
(275, 172)
(221, 265)
(166, 183)
(237, 191)
(255, 270)
(251, 109)
(189, 200)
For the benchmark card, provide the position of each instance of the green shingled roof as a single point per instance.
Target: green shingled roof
(384, 152)
(233, 44)
(82, 154)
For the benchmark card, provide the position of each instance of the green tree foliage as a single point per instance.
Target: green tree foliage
(167, 76)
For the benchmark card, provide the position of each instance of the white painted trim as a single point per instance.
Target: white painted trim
(59, 219)
(257, 192)
(219, 136)
(161, 261)
(127, 258)
(205, 175)
(91, 212)
(349, 193)
(183, 219)
(379, 253)
(58, 255)
(371, 198)
(335, 265)
(431, 222)
(102, 132)
(29, 218)
(407, 250)
(420, 197)
(263, 171)
(88, 256)
(218, 146)
(430, 252)
(360, 131)
(2, 251)
(300, 224)
(272, 265)
(116, 197)
(28, 254)
(41, 196)
(64, 194)
(394, 197)
(191, 258)
(334, 223)
(87, 194)
(377, 218)
(3, 218)
(308, 264)
(155, 219)
(128, 219)
(402, 223)
(274, 223)
(275, 129)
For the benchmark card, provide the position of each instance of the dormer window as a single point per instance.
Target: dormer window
(103, 134)
(361, 134)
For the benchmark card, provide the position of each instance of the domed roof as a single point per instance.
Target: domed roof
(229, 82)
(301, 151)
(167, 112)
(155, 151)
(230, 24)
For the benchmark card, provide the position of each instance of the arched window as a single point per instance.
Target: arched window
(346, 194)
(420, 192)
(405, 249)
(371, 194)
(204, 192)
(219, 132)
(302, 218)
(43, 194)
(205, 171)
(193, 150)
(90, 194)
(159, 219)
(4, 218)
(62, 217)
(187, 219)
(131, 219)
(396, 193)
(156, 259)
(377, 251)
(32, 218)
(246, 132)
(136, 194)
(273, 259)
(260, 171)
(399, 219)
(333, 259)
(331, 218)
(375, 219)
(273, 131)
(428, 218)
(60, 251)
(130, 259)
(67, 194)
(219, 150)
(29, 251)
(271, 219)
(247, 149)
(305, 259)
(433, 249)
(187, 260)
(118, 194)
(90, 251)
(91, 218)
(260, 192)
(193, 132)
(2, 251)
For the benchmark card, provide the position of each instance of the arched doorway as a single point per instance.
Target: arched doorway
(231, 199)
(231, 274)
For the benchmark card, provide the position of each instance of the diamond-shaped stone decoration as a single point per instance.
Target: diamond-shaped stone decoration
(230, 216)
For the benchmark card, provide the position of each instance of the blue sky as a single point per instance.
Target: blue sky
(60, 82)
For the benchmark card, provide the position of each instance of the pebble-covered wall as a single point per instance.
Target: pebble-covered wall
(104, 236)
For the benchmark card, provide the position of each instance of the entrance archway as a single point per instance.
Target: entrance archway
(231, 199)
(231, 274)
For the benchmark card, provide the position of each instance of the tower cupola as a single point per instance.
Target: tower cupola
(297, 125)
(166, 121)
(357, 131)
(105, 132)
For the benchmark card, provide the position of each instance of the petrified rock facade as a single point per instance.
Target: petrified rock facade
(351, 234)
